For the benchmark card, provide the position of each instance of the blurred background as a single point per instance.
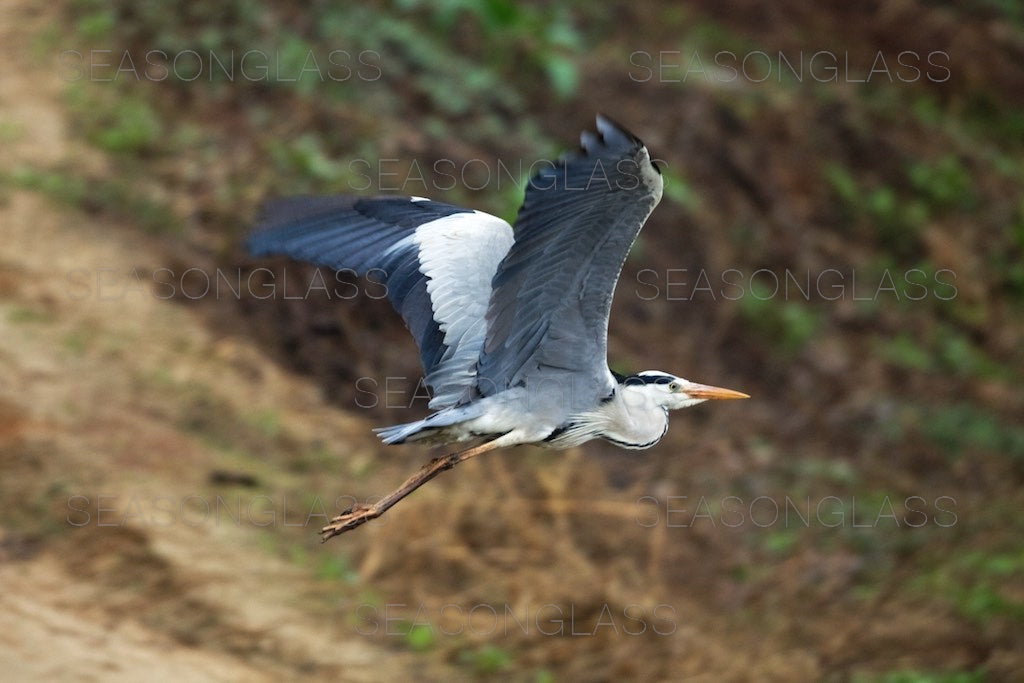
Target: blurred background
(842, 237)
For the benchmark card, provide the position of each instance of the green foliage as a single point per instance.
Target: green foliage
(56, 185)
(928, 110)
(115, 196)
(116, 120)
(305, 158)
(511, 199)
(267, 422)
(959, 355)
(295, 62)
(420, 637)
(9, 131)
(843, 183)
(897, 216)
(679, 190)
(781, 541)
(1008, 262)
(896, 222)
(488, 659)
(944, 350)
(96, 23)
(228, 24)
(463, 56)
(337, 568)
(904, 351)
(964, 427)
(988, 117)
(546, 34)
(1010, 9)
(788, 325)
(945, 184)
(455, 58)
(25, 314)
(76, 342)
(709, 36)
(974, 583)
(426, 61)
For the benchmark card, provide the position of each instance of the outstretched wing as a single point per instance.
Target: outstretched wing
(438, 261)
(552, 294)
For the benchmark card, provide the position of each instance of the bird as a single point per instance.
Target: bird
(511, 322)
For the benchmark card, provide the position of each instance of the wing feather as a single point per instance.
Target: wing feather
(552, 293)
(438, 259)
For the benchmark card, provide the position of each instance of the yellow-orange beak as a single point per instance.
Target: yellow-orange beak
(708, 392)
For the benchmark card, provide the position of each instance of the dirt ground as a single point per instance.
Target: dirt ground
(166, 464)
(142, 597)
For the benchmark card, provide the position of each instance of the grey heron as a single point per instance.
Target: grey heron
(511, 323)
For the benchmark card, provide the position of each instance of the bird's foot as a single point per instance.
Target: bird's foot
(357, 515)
(360, 514)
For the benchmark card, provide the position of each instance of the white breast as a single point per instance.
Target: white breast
(632, 418)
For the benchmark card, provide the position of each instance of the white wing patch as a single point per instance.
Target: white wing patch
(460, 254)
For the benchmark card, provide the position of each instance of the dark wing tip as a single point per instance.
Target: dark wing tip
(275, 216)
(610, 133)
(600, 151)
(609, 127)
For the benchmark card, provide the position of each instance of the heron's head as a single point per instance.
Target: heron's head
(671, 392)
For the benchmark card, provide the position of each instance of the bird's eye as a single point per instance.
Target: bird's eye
(674, 386)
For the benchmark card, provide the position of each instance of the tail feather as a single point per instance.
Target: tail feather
(439, 427)
(396, 434)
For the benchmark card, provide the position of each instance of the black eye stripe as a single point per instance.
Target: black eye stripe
(635, 380)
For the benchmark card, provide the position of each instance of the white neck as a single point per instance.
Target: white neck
(635, 417)
(632, 418)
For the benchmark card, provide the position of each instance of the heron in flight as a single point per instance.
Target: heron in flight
(511, 322)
